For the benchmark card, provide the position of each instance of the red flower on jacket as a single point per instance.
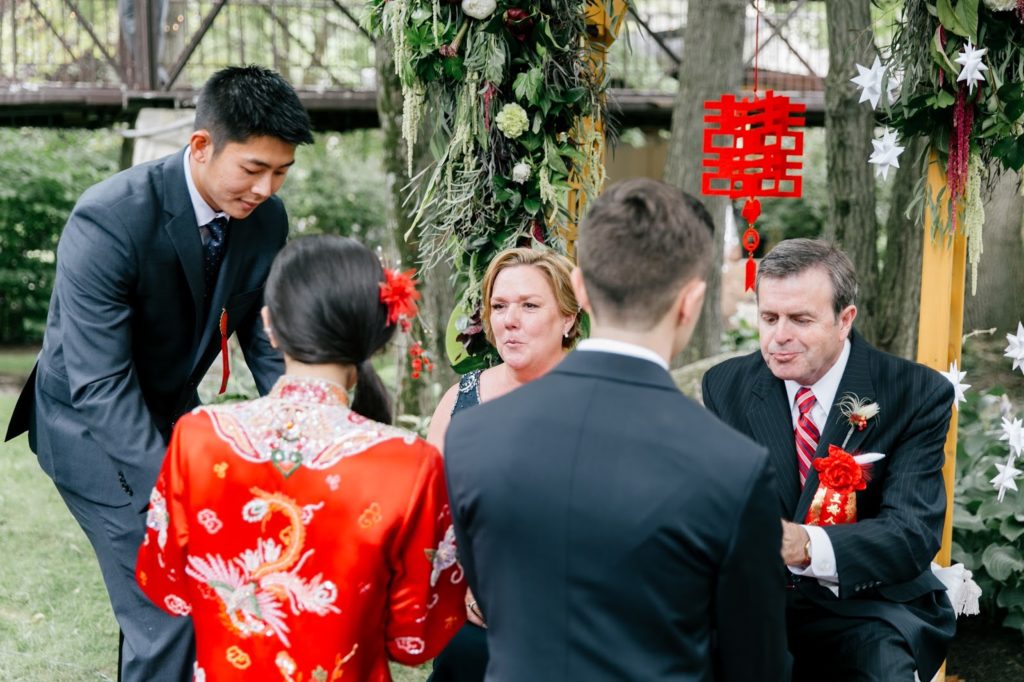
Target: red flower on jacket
(840, 472)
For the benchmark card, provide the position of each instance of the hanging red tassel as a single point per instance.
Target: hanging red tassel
(751, 239)
(225, 363)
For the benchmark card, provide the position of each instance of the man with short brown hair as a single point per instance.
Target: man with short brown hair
(863, 603)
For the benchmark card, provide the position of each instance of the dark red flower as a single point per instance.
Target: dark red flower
(518, 22)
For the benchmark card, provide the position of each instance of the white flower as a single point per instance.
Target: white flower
(886, 154)
(970, 60)
(956, 377)
(1013, 434)
(521, 172)
(870, 82)
(1015, 349)
(1004, 480)
(479, 9)
(1000, 5)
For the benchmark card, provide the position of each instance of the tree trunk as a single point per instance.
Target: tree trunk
(894, 323)
(1000, 296)
(412, 396)
(712, 65)
(848, 131)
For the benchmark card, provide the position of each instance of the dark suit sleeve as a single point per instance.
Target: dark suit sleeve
(264, 361)
(96, 274)
(749, 602)
(458, 499)
(898, 544)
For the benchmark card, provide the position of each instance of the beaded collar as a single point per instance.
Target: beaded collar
(303, 422)
(309, 390)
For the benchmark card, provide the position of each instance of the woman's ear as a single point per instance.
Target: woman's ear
(267, 328)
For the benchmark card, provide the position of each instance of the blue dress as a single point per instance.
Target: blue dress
(465, 657)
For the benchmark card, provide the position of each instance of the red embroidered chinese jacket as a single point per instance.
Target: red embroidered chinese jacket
(305, 541)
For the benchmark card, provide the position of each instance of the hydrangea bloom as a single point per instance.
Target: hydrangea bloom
(512, 120)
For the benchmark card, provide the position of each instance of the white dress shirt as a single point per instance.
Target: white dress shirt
(204, 212)
(823, 556)
(622, 348)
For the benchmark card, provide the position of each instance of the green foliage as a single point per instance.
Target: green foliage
(926, 46)
(514, 105)
(44, 172)
(337, 186)
(988, 535)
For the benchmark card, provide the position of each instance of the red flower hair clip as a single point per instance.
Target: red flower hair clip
(398, 293)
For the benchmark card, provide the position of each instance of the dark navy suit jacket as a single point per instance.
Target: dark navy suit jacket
(883, 560)
(128, 337)
(612, 529)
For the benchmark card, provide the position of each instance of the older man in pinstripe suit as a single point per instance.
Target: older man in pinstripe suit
(863, 603)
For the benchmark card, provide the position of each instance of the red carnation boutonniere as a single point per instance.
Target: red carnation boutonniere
(398, 293)
(842, 474)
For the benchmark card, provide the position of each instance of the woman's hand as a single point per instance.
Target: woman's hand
(473, 613)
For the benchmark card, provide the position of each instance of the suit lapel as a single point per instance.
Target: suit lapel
(182, 230)
(771, 422)
(856, 381)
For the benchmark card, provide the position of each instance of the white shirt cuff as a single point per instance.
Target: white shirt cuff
(823, 558)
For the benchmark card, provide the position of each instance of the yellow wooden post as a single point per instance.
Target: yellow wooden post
(941, 321)
(604, 19)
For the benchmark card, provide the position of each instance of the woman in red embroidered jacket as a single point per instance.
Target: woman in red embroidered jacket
(305, 538)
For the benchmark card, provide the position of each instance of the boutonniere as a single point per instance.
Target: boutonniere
(842, 474)
(856, 411)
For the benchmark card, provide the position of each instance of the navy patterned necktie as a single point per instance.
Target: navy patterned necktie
(213, 251)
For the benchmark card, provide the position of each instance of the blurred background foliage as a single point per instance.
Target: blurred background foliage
(337, 186)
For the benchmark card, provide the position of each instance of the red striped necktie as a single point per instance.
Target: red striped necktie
(806, 433)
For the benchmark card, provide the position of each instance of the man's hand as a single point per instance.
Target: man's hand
(473, 613)
(796, 549)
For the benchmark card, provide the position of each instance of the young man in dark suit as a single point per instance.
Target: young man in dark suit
(610, 528)
(862, 604)
(151, 264)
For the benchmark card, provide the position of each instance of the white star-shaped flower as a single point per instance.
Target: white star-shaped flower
(870, 82)
(1013, 434)
(956, 378)
(1004, 480)
(972, 66)
(1015, 351)
(886, 154)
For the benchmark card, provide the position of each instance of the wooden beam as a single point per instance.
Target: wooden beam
(941, 321)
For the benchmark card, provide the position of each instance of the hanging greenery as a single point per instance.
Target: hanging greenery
(512, 95)
(961, 67)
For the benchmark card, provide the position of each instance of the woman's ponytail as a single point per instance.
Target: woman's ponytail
(371, 398)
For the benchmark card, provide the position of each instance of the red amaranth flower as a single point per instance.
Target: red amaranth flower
(960, 147)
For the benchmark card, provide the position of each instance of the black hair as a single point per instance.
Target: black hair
(242, 102)
(323, 293)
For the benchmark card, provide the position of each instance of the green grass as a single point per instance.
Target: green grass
(17, 361)
(55, 620)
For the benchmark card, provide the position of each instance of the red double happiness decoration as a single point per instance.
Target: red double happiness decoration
(752, 148)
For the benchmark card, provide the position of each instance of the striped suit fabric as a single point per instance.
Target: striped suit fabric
(883, 560)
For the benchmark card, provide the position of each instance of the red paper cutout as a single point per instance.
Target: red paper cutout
(752, 148)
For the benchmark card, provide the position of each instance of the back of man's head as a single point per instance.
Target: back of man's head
(641, 241)
(242, 102)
